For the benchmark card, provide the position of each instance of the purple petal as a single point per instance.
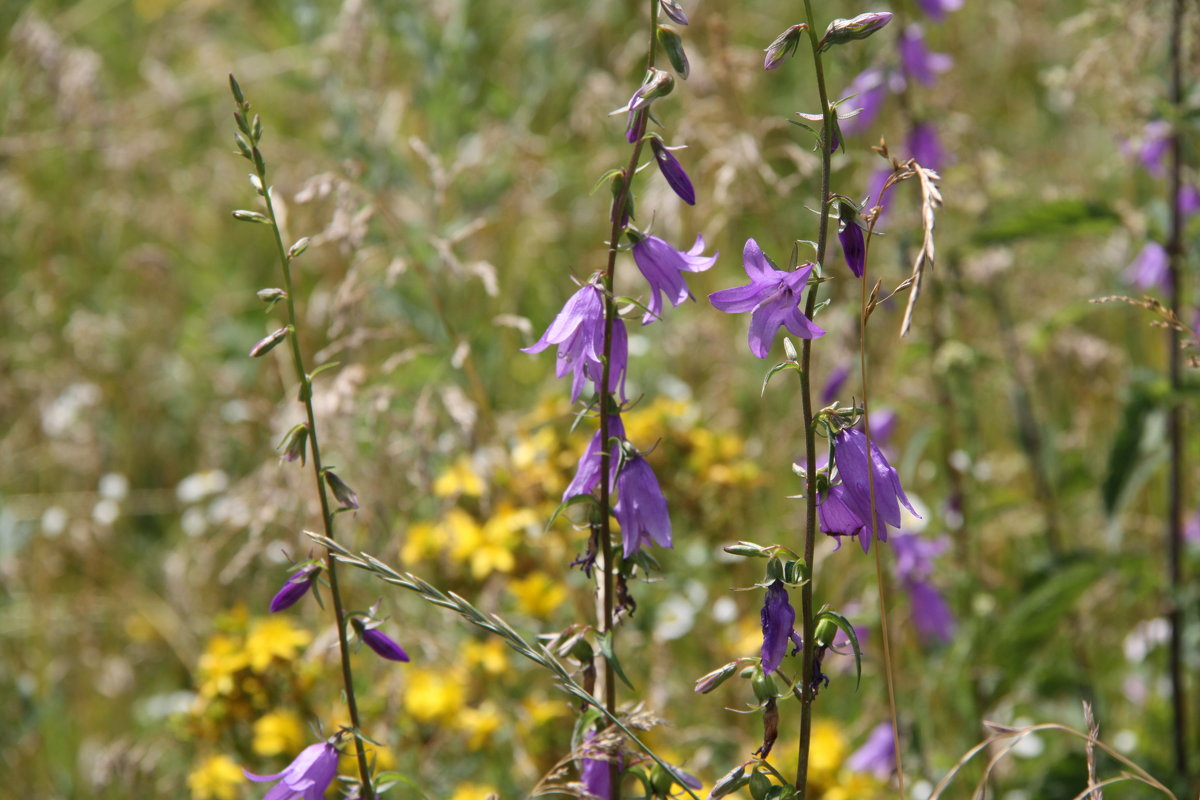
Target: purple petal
(674, 173)
(383, 644)
(293, 589)
(778, 620)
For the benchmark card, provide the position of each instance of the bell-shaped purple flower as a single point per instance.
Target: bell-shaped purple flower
(854, 247)
(773, 298)
(306, 778)
(672, 170)
(662, 266)
(578, 330)
(914, 567)
(936, 9)
(1151, 269)
(778, 623)
(383, 644)
(877, 755)
(917, 61)
(869, 89)
(836, 519)
(834, 383)
(1156, 141)
(925, 146)
(587, 473)
(295, 587)
(856, 471)
(1189, 199)
(641, 509)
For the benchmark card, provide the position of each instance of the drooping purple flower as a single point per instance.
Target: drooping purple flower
(778, 623)
(383, 644)
(773, 298)
(1156, 141)
(596, 773)
(869, 88)
(883, 425)
(1151, 269)
(641, 509)
(662, 264)
(854, 248)
(587, 473)
(295, 587)
(306, 778)
(936, 9)
(675, 11)
(834, 383)
(836, 519)
(672, 170)
(855, 469)
(930, 613)
(578, 330)
(916, 60)
(1189, 199)
(877, 755)
(925, 146)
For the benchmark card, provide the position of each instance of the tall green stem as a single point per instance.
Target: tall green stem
(607, 568)
(366, 791)
(1175, 429)
(810, 441)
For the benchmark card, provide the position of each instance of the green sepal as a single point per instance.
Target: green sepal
(782, 365)
(844, 625)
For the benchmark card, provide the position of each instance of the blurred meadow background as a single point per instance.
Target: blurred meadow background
(442, 155)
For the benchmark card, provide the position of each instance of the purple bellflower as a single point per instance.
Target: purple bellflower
(914, 566)
(925, 146)
(306, 778)
(662, 264)
(672, 170)
(869, 88)
(917, 61)
(854, 247)
(1189, 199)
(877, 755)
(383, 645)
(578, 330)
(837, 520)
(936, 9)
(641, 509)
(1151, 269)
(295, 587)
(883, 425)
(595, 773)
(778, 624)
(834, 383)
(856, 471)
(1156, 141)
(587, 474)
(773, 298)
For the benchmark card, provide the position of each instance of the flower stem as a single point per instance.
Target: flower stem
(810, 441)
(366, 791)
(1175, 429)
(605, 605)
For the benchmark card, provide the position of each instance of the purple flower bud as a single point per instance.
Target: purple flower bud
(673, 10)
(295, 587)
(268, 343)
(778, 622)
(294, 443)
(783, 46)
(925, 147)
(671, 169)
(841, 31)
(1156, 141)
(341, 490)
(854, 247)
(383, 644)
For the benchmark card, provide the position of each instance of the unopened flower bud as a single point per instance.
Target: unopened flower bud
(783, 46)
(763, 686)
(344, 494)
(251, 216)
(267, 344)
(825, 632)
(675, 11)
(673, 171)
(271, 296)
(712, 680)
(294, 443)
(841, 31)
(672, 43)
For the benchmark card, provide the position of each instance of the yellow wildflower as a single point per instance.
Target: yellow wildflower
(479, 724)
(540, 710)
(854, 786)
(491, 654)
(459, 478)
(271, 638)
(473, 791)
(421, 541)
(278, 733)
(380, 758)
(433, 694)
(538, 594)
(827, 751)
(222, 659)
(216, 778)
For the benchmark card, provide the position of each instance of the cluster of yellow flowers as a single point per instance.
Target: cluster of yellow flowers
(829, 777)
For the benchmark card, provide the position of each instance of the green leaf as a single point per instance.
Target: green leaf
(1056, 218)
(782, 365)
(606, 647)
(1125, 454)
